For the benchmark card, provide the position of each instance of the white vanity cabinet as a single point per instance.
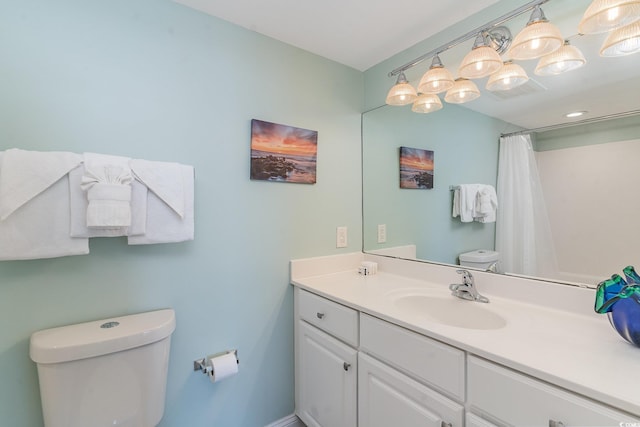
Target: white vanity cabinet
(506, 397)
(326, 367)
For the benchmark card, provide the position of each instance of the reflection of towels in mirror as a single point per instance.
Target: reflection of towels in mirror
(39, 228)
(486, 204)
(475, 202)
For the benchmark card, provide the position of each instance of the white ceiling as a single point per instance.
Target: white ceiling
(363, 33)
(357, 33)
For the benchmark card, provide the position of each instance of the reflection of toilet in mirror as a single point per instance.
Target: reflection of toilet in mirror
(105, 373)
(482, 259)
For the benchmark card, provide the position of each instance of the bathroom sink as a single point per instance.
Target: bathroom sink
(450, 311)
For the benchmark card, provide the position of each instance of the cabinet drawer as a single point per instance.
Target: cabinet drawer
(498, 393)
(336, 319)
(427, 360)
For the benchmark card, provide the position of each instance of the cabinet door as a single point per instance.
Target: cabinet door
(387, 397)
(328, 379)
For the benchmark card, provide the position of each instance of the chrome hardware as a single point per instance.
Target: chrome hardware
(201, 364)
(109, 325)
(467, 289)
(553, 423)
(320, 315)
(346, 366)
(443, 424)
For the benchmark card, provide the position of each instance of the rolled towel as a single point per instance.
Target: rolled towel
(107, 181)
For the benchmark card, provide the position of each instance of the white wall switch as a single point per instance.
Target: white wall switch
(341, 237)
(382, 233)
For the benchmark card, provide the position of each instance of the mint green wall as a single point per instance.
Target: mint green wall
(465, 146)
(155, 80)
(623, 129)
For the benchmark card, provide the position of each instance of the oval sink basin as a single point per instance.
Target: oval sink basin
(451, 311)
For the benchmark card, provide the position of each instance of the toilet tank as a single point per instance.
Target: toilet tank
(110, 372)
(481, 258)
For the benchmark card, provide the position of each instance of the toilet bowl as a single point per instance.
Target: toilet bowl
(110, 372)
(482, 259)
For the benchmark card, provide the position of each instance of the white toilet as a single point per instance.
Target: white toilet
(105, 373)
(482, 259)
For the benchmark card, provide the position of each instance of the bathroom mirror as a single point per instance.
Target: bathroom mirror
(588, 172)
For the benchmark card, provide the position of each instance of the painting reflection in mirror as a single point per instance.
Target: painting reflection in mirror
(416, 168)
(588, 180)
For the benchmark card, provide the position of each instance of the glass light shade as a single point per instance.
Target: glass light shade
(480, 62)
(436, 80)
(565, 59)
(606, 15)
(535, 40)
(623, 41)
(509, 76)
(402, 93)
(426, 103)
(462, 91)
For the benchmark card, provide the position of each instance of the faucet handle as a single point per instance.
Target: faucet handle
(467, 278)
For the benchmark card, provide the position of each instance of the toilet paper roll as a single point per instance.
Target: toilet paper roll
(222, 366)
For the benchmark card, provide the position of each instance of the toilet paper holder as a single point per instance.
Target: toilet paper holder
(201, 364)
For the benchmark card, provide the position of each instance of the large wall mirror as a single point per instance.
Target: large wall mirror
(589, 173)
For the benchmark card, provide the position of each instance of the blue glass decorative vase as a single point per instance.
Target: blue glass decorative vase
(620, 299)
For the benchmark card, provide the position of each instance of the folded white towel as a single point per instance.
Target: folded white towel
(25, 174)
(40, 227)
(79, 204)
(486, 204)
(107, 181)
(467, 201)
(169, 203)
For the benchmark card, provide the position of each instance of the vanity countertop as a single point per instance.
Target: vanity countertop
(576, 351)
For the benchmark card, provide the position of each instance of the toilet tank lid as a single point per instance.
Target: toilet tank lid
(96, 338)
(480, 255)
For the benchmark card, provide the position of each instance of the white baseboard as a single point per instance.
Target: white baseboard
(288, 421)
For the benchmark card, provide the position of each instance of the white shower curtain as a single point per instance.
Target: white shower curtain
(523, 232)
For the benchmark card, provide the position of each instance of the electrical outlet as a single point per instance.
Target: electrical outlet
(382, 233)
(341, 237)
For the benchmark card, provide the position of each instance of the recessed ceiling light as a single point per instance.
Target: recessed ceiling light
(573, 114)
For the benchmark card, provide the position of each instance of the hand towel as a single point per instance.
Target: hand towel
(107, 181)
(79, 204)
(170, 216)
(40, 227)
(486, 204)
(25, 174)
(467, 201)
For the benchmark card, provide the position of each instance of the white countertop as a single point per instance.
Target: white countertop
(576, 351)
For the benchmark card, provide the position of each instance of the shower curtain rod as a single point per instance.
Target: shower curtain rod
(570, 124)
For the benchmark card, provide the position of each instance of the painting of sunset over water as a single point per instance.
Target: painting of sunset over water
(283, 153)
(416, 168)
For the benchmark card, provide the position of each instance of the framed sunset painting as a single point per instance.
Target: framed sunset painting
(283, 153)
(416, 168)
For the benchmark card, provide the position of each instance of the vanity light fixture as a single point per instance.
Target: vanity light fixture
(426, 103)
(565, 59)
(462, 91)
(481, 61)
(623, 41)
(538, 38)
(402, 93)
(508, 77)
(606, 15)
(437, 79)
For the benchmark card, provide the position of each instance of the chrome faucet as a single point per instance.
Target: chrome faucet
(467, 289)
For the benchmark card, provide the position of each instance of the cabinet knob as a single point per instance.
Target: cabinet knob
(553, 423)
(346, 366)
(445, 424)
(320, 315)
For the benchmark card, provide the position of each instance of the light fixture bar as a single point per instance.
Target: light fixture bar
(577, 123)
(471, 34)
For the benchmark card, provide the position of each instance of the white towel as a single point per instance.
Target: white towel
(169, 202)
(25, 174)
(107, 181)
(39, 228)
(486, 204)
(79, 204)
(466, 201)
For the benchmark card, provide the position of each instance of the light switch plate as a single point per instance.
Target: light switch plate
(341, 237)
(382, 233)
